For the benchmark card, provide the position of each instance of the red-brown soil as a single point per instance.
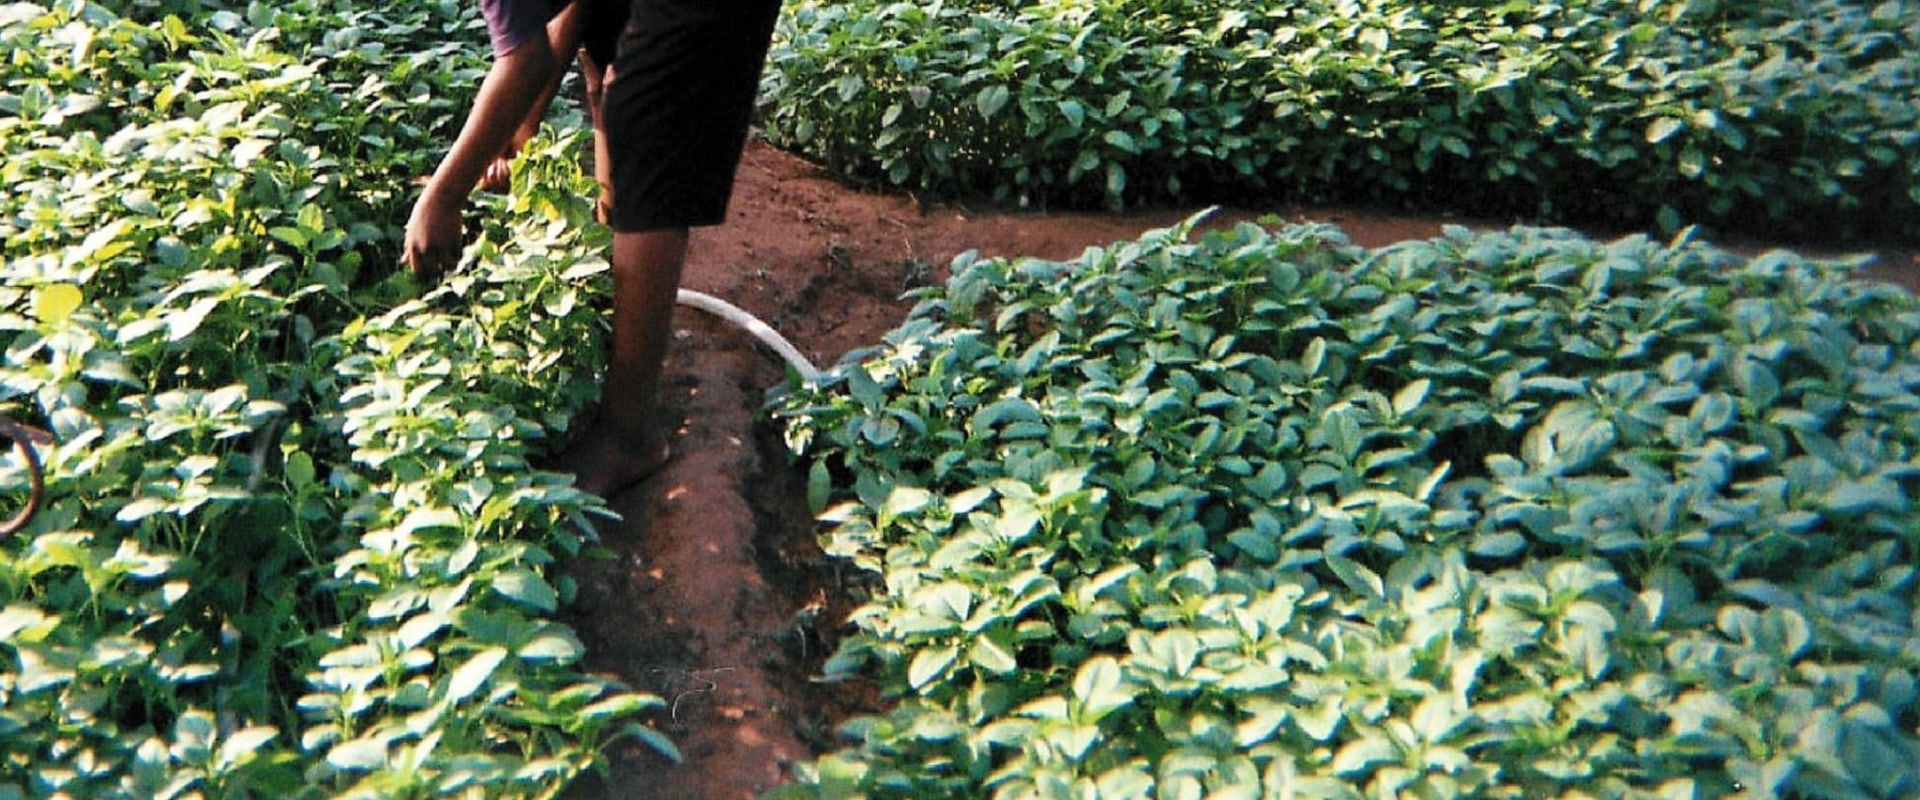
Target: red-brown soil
(715, 596)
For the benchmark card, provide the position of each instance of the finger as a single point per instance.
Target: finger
(498, 176)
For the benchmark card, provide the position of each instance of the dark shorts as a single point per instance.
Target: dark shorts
(600, 33)
(678, 107)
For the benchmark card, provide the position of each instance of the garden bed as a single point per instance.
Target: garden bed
(715, 595)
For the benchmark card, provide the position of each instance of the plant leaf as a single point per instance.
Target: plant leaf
(470, 676)
(1099, 689)
(53, 303)
(1663, 128)
(931, 664)
(523, 586)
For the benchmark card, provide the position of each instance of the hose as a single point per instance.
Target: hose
(733, 315)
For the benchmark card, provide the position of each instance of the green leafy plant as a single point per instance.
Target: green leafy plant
(291, 544)
(1256, 512)
(1773, 117)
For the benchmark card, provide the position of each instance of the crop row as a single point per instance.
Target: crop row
(291, 544)
(1795, 117)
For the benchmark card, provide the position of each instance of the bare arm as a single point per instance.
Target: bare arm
(563, 36)
(508, 93)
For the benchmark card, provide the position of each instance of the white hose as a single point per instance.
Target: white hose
(751, 324)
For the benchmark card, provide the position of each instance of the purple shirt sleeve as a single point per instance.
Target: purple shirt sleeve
(510, 22)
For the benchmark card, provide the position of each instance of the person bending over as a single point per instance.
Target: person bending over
(671, 122)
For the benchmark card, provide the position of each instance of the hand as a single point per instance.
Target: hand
(498, 179)
(433, 241)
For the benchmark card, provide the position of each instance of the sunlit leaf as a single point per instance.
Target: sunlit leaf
(474, 673)
(54, 302)
(931, 664)
(553, 644)
(1360, 755)
(1663, 128)
(358, 755)
(1098, 689)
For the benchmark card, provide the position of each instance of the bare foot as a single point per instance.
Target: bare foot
(606, 465)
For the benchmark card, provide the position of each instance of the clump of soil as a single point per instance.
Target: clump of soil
(716, 596)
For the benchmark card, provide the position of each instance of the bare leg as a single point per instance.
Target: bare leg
(596, 83)
(627, 443)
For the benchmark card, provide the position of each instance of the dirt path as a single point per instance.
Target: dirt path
(715, 596)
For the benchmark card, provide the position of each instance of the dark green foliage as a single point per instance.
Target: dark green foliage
(1796, 117)
(1504, 515)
